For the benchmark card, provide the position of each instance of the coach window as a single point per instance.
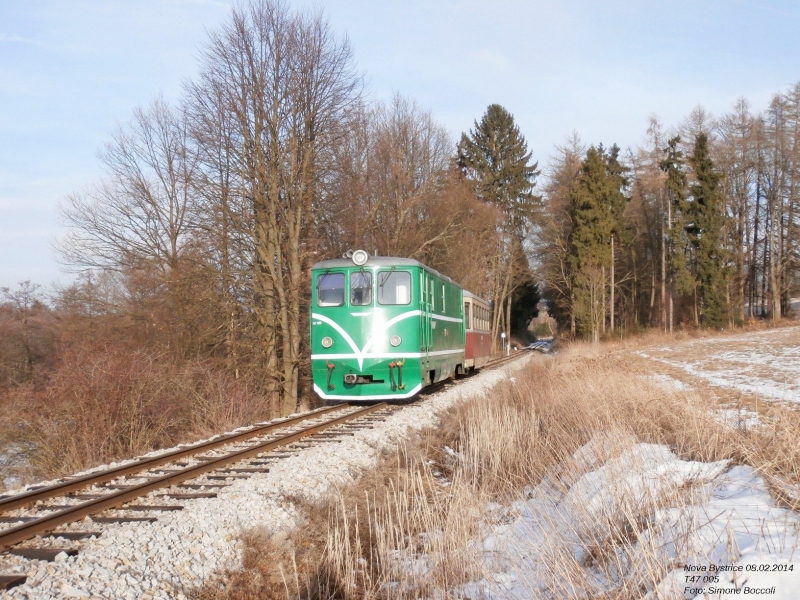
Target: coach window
(330, 289)
(394, 287)
(466, 316)
(360, 288)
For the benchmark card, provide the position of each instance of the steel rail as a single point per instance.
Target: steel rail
(500, 360)
(14, 535)
(77, 483)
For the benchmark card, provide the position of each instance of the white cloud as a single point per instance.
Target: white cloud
(18, 39)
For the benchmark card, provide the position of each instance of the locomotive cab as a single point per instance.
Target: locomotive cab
(382, 328)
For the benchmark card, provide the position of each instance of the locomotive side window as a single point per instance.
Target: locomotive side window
(394, 287)
(360, 288)
(330, 289)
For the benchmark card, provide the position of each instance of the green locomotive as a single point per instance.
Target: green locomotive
(383, 328)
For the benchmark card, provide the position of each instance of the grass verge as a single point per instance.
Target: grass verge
(409, 528)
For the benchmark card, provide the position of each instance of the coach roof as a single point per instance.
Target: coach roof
(379, 261)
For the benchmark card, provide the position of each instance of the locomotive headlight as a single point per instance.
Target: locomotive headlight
(395, 340)
(327, 342)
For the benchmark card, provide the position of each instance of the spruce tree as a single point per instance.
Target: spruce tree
(597, 204)
(679, 250)
(706, 219)
(495, 157)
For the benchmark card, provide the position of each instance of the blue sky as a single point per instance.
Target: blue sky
(71, 69)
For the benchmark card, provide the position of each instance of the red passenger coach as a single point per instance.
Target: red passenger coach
(477, 315)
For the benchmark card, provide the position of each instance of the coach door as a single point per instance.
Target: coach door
(426, 308)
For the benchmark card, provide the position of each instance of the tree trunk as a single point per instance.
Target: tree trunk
(774, 263)
(663, 276)
(612, 284)
(604, 310)
(508, 318)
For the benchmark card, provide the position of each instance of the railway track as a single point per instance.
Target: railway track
(186, 473)
(38, 523)
(499, 361)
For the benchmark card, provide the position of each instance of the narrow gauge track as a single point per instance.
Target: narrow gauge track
(498, 361)
(114, 489)
(185, 467)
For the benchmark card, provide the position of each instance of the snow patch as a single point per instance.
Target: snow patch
(685, 513)
(667, 383)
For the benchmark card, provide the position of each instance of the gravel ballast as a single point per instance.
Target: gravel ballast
(183, 549)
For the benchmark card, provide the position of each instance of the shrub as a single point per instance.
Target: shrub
(111, 403)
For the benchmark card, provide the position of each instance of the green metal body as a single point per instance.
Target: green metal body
(361, 363)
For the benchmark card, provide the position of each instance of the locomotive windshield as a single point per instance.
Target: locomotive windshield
(360, 288)
(394, 287)
(330, 289)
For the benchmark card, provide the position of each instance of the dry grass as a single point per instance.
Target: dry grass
(409, 528)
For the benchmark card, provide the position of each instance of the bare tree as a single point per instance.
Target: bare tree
(141, 212)
(395, 189)
(736, 155)
(25, 338)
(283, 82)
(553, 248)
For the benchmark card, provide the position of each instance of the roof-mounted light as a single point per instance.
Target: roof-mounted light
(360, 257)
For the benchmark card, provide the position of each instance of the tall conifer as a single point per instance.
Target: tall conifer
(495, 156)
(679, 253)
(705, 232)
(597, 204)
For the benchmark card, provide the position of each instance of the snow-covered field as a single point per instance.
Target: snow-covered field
(762, 363)
(183, 549)
(723, 536)
(731, 536)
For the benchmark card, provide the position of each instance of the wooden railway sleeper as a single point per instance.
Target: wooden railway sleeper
(10, 581)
